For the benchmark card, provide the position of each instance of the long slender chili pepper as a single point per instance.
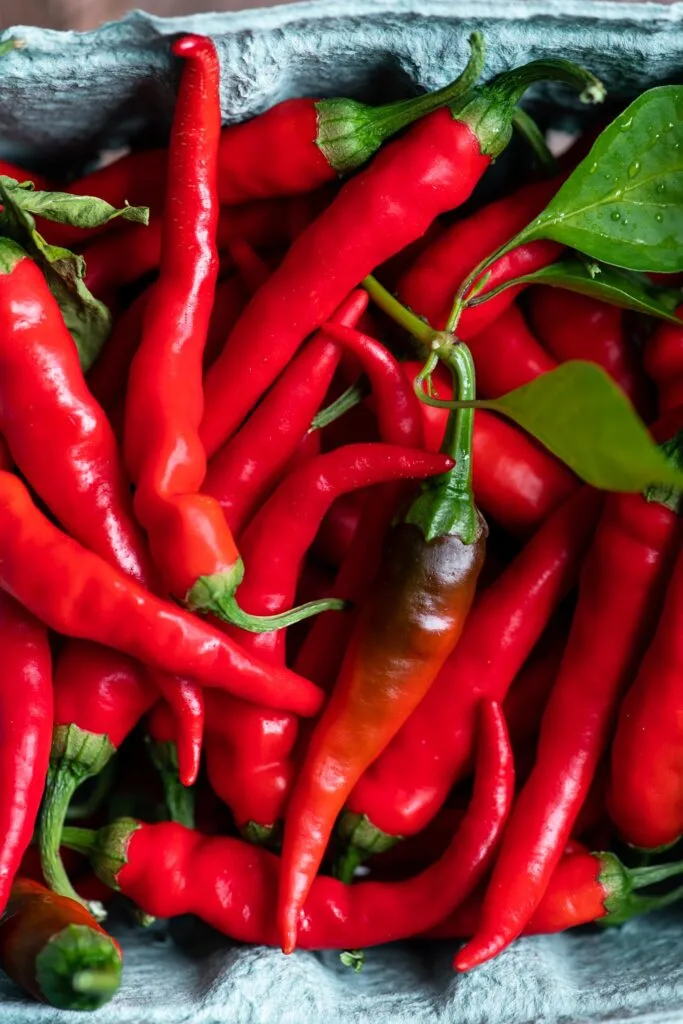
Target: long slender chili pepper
(76, 593)
(516, 482)
(584, 887)
(67, 449)
(580, 327)
(647, 771)
(338, 528)
(434, 167)
(295, 146)
(56, 951)
(506, 355)
(409, 782)
(25, 732)
(169, 870)
(620, 595)
(108, 375)
(664, 363)
(189, 537)
(527, 697)
(406, 627)
(99, 696)
(240, 474)
(295, 511)
(430, 284)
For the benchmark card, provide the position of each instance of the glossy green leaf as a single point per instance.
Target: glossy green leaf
(78, 211)
(625, 288)
(584, 418)
(88, 319)
(624, 203)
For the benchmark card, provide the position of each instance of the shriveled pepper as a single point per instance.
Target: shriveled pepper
(620, 596)
(55, 950)
(433, 168)
(408, 624)
(76, 593)
(169, 870)
(25, 732)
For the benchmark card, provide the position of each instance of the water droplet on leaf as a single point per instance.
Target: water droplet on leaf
(615, 215)
(661, 187)
(659, 217)
(634, 169)
(626, 124)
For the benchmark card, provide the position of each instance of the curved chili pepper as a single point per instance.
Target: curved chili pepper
(664, 363)
(25, 732)
(516, 481)
(407, 626)
(295, 511)
(338, 528)
(76, 593)
(405, 787)
(506, 355)
(189, 538)
(576, 326)
(56, 951)
(620, 594)
(647, 771)
(99, 697)
(584, 887)
(430, 285)
(433, 168)
(168, 870)
(240, 474)
(526, 699)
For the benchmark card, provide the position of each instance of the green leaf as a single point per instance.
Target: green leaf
(88, 319)
(7, 45)
(62, 207)
(584, 418)
(624, 288)
(624, 203)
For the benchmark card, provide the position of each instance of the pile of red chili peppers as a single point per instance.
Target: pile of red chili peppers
(380, 665)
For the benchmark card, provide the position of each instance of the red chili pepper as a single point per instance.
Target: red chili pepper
(25, 732)
(647, 768)
(55, 950)
(229, 300)
(430, 285)
(516, 482)
(109, 373)
(259, 744)
(76, 593)
(251, 267)
(664, 363)
(409, 782)
(168, 870)
(99, 697)
(406, 627)
(527, 697)
(40, 183)
(433, 168)
(338, 528)
(580, 327)
(162, 739)
(241, 473)
(506, 355)
(620, 595)
(584, 887)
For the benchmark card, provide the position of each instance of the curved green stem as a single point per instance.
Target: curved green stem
(513, 84)
(98, 794)
(400, 314)
(179, 799)
(217, 594)
(535, 139)
(353, 396)
(82, 840)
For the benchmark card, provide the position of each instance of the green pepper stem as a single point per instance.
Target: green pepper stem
(179, 799)
(512, 85)
(400, 314)
(353, 396)
(100, 982)
(216, 594)
(82, 840)
(535, 139)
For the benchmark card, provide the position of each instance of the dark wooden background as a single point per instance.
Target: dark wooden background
(85, 14)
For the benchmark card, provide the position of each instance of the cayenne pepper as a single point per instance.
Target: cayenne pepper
(25, 732)
(378, 212)
(169, 870)
(620, 595)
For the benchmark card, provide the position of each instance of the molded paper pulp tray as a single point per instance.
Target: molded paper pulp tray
(65, 97)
